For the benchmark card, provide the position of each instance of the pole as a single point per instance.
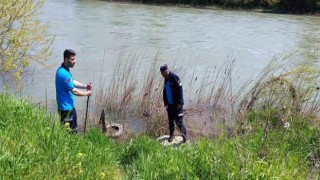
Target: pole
(85, 120)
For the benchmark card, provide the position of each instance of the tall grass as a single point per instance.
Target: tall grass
(135, 91)
(286, 92)
(215, 97)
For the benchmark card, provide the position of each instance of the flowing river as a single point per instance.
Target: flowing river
(101, 31)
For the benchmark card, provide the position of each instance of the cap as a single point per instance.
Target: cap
(164, 68)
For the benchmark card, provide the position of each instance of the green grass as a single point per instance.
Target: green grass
(35, 146)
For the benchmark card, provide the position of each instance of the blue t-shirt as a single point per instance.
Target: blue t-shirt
(64, 85)
(168, 92)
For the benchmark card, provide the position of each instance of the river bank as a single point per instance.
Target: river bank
(278, 7)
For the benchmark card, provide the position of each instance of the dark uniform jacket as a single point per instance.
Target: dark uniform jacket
(176, 90)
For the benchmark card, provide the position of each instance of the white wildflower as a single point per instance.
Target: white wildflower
(287, 125)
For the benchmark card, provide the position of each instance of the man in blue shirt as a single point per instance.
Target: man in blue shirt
(173, 100)
(67, 88)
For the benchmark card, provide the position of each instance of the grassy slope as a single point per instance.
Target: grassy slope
(33, 145)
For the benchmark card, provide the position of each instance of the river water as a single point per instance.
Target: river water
(102, 31)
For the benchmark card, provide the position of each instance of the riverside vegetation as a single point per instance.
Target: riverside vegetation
(277, 135)
(24, 41)
(277, 6)
(35, 146)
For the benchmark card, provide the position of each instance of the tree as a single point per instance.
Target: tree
(299, 6)
(24, 40)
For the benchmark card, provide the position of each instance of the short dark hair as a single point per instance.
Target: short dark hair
(68, 52)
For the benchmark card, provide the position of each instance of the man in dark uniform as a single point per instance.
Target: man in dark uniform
(173, 100)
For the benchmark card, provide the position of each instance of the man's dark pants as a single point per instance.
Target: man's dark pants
(175, 116)
(71, 118)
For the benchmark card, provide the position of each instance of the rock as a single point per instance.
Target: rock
(164, 140)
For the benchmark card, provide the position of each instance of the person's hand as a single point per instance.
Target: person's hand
(89, 86)
(89, 92)
(178, 106)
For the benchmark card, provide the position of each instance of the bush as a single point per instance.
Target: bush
(23, 39)
(299, 6)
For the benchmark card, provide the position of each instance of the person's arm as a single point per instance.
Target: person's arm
(164, 96)
(79, 85)
(179, 91)
(77, 92)
(82, 86)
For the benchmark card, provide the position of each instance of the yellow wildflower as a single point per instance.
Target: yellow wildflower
(80, 155)
(102, 175)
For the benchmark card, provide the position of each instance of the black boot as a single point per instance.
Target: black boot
(182, 127)
(184, 138)
(184, 134)
(171, 136)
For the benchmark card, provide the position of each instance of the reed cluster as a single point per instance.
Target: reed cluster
(216, 98)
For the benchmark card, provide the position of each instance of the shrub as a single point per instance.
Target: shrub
(23, 39)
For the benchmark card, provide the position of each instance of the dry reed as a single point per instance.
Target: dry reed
(215, 102)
